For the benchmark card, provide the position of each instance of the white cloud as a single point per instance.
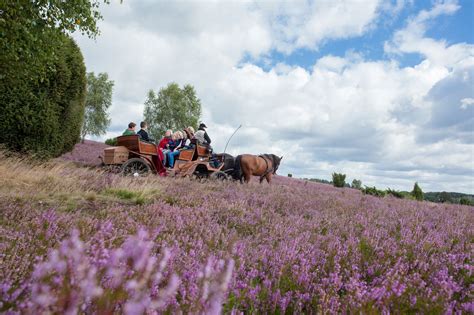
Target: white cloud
(411, 39)
(303, 24)
(346, 114)
(465, 102)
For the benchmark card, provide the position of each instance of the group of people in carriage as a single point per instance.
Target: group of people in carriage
(172, 143)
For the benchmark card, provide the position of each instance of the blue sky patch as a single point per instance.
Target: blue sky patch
(455, 28)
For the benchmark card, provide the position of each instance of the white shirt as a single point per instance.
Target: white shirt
(199, 136)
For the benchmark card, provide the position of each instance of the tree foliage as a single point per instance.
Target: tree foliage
(373, 191)
(338, 180)
(44, 114)
(172, 108)
(417, 192)
(445, 197)
(30, 30)
(98, 101)
(42, 73)
(111, 141)
(395, 193)
(357, 184)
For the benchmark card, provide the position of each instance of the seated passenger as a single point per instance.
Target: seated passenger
(164, 145)
(177, 139)
(143, 132)
(202, 129)
(165, 142)
(131, 129)
(201, 137)
(191, 131)
(188, 136)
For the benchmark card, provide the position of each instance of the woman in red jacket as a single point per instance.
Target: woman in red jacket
(164, 145)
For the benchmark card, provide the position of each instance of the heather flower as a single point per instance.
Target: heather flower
(292, 247)
(69, 281)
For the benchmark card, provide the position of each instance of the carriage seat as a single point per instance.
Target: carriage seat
(186, 154)
(134, 143)
(194, 153)
(203, 151)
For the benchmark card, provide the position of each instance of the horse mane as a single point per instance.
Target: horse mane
(275, 158)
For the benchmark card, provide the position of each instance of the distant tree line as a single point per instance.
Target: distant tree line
(338, 180)
(450, 197)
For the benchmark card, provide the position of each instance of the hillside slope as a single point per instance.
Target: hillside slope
(86, 153)
(293, 246)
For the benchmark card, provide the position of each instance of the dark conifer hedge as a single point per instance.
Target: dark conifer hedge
(42, 96)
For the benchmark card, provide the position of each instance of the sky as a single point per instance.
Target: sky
(380, 90)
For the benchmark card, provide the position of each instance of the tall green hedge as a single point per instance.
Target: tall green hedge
(42, 96)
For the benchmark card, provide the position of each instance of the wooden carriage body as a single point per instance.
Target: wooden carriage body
(190, 161)
(129, 147)
(134, 144)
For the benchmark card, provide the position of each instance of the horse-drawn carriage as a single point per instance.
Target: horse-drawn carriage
(137, 158)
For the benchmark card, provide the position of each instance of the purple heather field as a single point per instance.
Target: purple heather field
(86, 153)
(79, 239)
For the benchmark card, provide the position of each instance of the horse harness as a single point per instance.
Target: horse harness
(268, 170)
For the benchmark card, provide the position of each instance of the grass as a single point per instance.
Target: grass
(69, 185)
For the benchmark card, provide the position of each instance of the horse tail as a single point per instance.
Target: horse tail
(237, 173)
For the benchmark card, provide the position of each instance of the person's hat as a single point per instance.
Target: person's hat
(202, 125)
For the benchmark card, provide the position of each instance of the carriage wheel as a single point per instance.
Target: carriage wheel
(219, 175)
(135, 167)
(200, 176)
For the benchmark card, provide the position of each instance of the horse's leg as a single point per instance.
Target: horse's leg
(268, 177)
(261, 179)
(248, 176)
(246, 172)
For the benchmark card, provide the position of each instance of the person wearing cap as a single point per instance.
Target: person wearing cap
(201, 135)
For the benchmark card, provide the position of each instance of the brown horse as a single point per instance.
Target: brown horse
(264, 165)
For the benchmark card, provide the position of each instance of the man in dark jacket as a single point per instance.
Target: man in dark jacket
(143, 133)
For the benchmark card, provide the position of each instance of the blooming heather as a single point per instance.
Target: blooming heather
(98, 243)
(86, 153)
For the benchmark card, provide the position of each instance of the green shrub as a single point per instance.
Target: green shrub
(338, 180)
(43, 102)
(290, 175)
(373, 191)
(111, 141)
(466, 201)
(417, 192)
(357, 184)
(395, 193)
